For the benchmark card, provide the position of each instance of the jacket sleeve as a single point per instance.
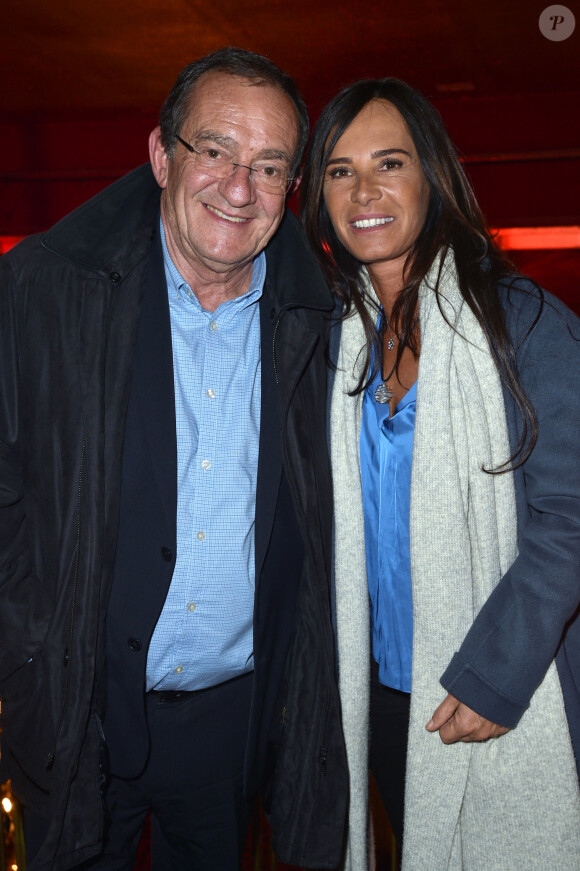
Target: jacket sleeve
(515, 636)
(23, 606)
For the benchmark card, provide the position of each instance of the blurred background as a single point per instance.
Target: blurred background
(83, 83)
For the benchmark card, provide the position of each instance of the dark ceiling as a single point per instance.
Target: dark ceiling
(83, 80)
(83, 56)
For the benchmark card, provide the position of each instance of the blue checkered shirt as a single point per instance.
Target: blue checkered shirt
(204, 633)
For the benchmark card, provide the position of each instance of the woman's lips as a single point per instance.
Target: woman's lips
(365, 223)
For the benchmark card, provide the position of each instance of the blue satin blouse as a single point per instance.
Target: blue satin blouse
(386, 447)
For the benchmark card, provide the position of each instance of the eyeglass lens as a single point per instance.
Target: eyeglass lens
(267, 176)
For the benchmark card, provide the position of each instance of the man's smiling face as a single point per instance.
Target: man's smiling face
(216, 226)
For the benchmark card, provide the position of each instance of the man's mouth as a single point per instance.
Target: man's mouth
(221, 214)
(364, 223)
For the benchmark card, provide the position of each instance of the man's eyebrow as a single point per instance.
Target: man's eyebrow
(384, 152)
(230, 143)
(218, 138)
(273, 154)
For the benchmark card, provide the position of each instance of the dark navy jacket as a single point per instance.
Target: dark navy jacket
(533, 615)
(80, 332)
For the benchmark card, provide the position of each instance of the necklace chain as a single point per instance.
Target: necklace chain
(383, 393)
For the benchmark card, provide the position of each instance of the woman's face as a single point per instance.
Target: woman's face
(375, 191)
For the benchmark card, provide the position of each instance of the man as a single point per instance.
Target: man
(165, 631)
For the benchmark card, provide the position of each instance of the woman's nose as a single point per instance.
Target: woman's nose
(365, 189)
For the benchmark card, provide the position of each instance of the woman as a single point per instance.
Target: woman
(469, 556)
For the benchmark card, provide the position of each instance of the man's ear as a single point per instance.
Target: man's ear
(158, 157)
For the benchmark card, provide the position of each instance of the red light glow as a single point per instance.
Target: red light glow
(537, 238)
(8, 242)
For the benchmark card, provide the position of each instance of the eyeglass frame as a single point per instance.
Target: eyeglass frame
(235, 164)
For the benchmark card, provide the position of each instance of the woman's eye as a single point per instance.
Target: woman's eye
(339, 172)
(390, 163)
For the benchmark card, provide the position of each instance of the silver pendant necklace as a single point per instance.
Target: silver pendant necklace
(384, 394)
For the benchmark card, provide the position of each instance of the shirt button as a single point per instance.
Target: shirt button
(205, 465)
(200, 536)
(211, 393)
(213, 326)
(178, 670)
(192, 606)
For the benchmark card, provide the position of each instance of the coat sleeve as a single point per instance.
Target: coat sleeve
(23, 606)
(515, 636)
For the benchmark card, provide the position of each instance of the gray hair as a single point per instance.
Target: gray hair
(234, 62)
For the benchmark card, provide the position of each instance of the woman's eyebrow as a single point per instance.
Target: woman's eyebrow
(384, 152)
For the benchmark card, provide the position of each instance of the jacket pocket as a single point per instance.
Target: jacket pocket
(28, 724)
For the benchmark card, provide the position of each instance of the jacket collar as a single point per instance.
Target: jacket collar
(293, 276)
(113, 231)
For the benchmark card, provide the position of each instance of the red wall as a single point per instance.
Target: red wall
(521, 155)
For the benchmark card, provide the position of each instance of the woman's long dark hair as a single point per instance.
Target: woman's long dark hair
(453, 219)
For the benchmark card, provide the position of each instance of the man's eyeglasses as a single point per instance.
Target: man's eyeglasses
(270, 176)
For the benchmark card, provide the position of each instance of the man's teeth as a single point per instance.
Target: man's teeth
(371, 222)
(226, 217)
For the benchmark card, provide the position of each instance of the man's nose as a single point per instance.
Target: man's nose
(238, 187)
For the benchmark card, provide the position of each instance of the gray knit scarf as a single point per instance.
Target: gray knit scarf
(508, 804)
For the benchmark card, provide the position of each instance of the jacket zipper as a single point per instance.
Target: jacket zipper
(276, 325)
(66, 655)
(324, 749)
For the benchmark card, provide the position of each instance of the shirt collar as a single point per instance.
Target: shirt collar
(180, 289)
